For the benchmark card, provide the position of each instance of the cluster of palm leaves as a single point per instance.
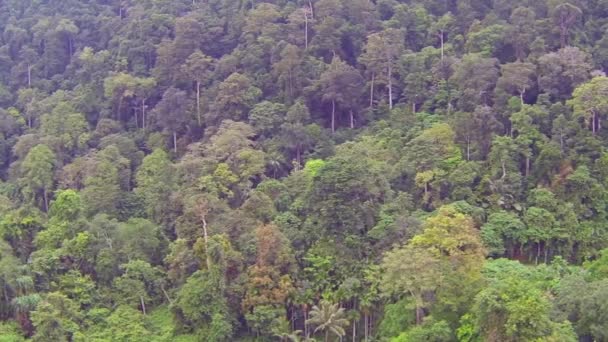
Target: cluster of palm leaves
(326, 317)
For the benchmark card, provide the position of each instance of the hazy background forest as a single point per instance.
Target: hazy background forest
(299, 170)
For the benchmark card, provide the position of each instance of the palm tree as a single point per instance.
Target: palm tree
(328, 317)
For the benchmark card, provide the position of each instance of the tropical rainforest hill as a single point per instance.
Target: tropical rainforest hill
(304, 170)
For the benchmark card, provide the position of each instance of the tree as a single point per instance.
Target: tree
(511, 308)
(289, 73)
(117, 88)
(296, 135)
(380, 57)
(171, 113)
(522, 35)
(562, 71)
(236, 95)
(527, 134)
(589, 102)
(326, 41)
(79, 288)
(442, 28)
(269, 283)
(125, 324)
(202, 304)
(452, 234)
(346, 188)
(583, 302)
(266, 117)
(144, 88)
(487, 41)
(541, 225)
(188, 33)
(56, 318)
(476, 78)
(476, 131)
(28, 100)
(340, 84)
(138, 239)
(429, 331)
(66, 127)
(154, 181)
(452, 238)
(431, 168)
(329, 318)
(102, 182)
(516, 78)
(140, 285)
(261, 20)
(198, 68)
(37, 174)
(565, 16)
(503, 231)
(411, 271)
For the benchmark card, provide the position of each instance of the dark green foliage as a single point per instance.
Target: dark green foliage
(297, 170)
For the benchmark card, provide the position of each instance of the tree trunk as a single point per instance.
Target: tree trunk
(390, 85)
(521, 95)
(290, 86)
(46, 200)
(442, 43)
(371, 91)
(136, 118)
(298, 154)
(143, 113)
(354, 330)
(206, 237)
(306, 332)
(198, 101)
(166, 295)
(174, 141)
(306, 30)
(468, 148)
(413, 107)
(29, 76)
(365, 326)
(143, 305)
(333, 116)
(527, 165)
(312, 11)
(352, 120)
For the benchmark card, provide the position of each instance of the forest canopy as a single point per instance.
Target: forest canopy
(304, 170)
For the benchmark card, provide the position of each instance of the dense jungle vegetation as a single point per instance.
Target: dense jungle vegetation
(304, 170)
